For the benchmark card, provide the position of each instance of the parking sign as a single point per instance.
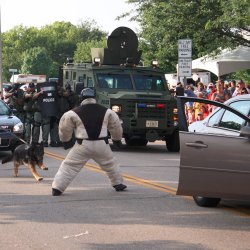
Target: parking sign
(185, 57)
(185, 48)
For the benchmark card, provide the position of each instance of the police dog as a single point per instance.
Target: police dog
(29, 155)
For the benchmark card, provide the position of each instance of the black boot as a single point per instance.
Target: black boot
(119, 187)
(56, 192)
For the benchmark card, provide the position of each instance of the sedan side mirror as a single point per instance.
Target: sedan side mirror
(245, 132)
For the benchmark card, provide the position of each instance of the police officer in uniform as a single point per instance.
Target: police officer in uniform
(90, 122)
(40, 121)
(16, 100)
(72, 97)
(29, 113)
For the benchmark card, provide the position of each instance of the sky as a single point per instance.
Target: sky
(39, 13)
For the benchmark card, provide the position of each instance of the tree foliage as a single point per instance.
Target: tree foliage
(83, 51)
(36, 61)
(211, 24)
(55, 42)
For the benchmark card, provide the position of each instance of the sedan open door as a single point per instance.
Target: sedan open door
(213, 166)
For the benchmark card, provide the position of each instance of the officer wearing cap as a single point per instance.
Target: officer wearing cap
(90, 122)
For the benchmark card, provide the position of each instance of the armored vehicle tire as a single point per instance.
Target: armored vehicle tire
(136, 141)
(173, 142)
(206, 201)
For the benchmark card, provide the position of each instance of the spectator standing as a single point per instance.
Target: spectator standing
(189, 91)
(190, 115)
(220, 95)
(212, 90)
(200, 109)
(232, 86)
(179, 90)
(248, 88)
(201, 89)
(240, 89)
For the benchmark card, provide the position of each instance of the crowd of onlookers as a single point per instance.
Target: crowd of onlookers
(220, 92)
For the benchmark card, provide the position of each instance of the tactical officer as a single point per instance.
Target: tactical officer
(90, 122)
(72, 97)
(29, 113)
(6, 90)
(64, 99)
(16, 100)
(40, 121)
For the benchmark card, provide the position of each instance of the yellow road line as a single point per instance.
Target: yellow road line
(150, 184)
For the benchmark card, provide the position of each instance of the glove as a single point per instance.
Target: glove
(117, 144)
(68, 144)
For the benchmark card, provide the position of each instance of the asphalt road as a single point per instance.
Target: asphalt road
(91, 215)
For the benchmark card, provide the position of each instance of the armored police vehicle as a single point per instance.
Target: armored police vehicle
(138, 94)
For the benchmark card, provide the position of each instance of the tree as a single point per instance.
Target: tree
(36, 61)
(60, 40)
(16, 41)
(83, 51)
(211, 24)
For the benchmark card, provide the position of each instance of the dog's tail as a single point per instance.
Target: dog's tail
(7, 159)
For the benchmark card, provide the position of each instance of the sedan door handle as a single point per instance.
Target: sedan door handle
(197, 144)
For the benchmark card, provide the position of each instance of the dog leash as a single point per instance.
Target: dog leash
(15, 136)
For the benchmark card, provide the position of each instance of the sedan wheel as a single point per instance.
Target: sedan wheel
(206, 202)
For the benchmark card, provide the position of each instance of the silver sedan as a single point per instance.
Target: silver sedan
(215, 152)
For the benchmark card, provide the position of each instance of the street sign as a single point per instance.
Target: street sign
(185, 67)
(185, 48)
(13, 70)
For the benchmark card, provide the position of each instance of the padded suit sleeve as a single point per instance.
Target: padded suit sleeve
(114, 125)
(66, 126)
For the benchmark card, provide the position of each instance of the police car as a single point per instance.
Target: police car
(11, 128)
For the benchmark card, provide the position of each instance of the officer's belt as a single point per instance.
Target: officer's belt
(79, 141)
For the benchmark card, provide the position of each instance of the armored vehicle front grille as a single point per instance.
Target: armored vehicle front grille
(150, 111)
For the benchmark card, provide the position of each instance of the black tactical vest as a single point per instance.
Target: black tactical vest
(92, 116)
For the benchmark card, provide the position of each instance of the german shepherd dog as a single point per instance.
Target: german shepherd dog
(29, 155)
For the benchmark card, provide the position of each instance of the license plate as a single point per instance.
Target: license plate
(152, 124)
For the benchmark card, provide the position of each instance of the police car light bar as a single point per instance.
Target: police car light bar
(144, 105)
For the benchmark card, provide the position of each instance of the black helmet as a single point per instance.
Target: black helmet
(68, 86)
(31, 85)
(87, 93)
(8, 88)
(15, 86)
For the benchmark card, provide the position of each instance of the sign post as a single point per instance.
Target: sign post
(184, 59)
(13, 71)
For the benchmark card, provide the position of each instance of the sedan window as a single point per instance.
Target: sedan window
(231, 121)
(215, 118)
(243, 106)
